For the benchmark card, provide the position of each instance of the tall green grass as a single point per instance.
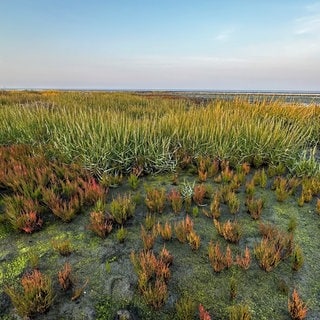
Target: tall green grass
(116, 131)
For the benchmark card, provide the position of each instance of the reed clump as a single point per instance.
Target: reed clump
(148, 140)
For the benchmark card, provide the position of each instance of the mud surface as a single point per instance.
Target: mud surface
(104, 264)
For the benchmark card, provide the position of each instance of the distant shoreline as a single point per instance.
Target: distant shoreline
(179, 91)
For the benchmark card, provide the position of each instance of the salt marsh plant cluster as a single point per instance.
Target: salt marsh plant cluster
(228, 230)
(121, 132)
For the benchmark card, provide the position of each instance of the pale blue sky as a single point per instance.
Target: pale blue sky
(160, 44)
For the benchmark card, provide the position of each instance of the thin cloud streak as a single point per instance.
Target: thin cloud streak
(309, 24)
(224, 35)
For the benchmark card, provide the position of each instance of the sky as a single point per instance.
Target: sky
(160, 44)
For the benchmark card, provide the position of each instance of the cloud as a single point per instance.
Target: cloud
(224, 35)
(309, 24)
(313, 7)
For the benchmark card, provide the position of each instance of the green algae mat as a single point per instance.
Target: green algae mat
(105, 278)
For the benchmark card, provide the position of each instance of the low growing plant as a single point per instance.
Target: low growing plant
(199, 192)
(296, 307)
(165, 231)
(175, 199)
(233, 202)
(244, 261)
(250, 188)
(153, 274)
(166, 257)
(63, 246)
(133, 181)
(255, 207)
(23, 213)
(215, 211)
(65, 277)
(122, 208)
(35, 296)
(267, 254)
(218, 260)
(148, 238)
(111, 180)
(122, 234)
(202, 170)
(149, 221)
(231, 231)
(233, 287)
(194, 240)
(297, 258)
(282, 192)
(100, 223)
(239, 312)
(66, 210)
(155, 200)
(185, 308)
(203, 313)
(183, 228)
